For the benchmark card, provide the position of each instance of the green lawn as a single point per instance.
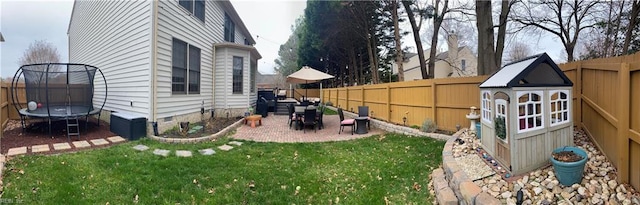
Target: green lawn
(364, 171)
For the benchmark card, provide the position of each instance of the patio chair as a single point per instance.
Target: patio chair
(363, 111)
(282, 94)
(319, 118)
(309, 119)
(344, 123)
(292, 117)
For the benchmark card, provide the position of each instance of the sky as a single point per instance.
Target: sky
(269, 21)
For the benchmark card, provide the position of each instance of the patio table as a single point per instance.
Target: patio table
(361, 125)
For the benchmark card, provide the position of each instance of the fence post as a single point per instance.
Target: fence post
(362, 94)
(346, 98)
(579, 97)
(388, 102)
(623, 122)
(433, 101)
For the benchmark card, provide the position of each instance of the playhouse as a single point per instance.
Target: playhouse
(526, 113)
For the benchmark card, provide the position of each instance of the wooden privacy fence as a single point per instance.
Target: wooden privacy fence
(607, 107)
(445, 101)
(4, 106)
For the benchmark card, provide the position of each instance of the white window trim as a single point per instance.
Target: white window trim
(542, 113)
(485, 107)
(568, 110)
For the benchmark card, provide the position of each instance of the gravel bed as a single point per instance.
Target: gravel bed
(474, 166)
(598, 186)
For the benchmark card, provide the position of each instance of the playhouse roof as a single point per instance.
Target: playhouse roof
(533, 71)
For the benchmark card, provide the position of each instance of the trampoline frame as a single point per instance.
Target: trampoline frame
(24, 113)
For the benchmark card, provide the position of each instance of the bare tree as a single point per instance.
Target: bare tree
(40, 52)
(518, 51)
(398, 42)
(563, 19)
(490, 57)
(635, 9)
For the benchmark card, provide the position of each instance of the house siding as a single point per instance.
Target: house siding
(115, 37)
(224, 97)
(175, 22)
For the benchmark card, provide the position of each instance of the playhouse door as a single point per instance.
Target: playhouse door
(503, 153)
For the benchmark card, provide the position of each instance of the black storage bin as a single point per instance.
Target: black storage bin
(128, 125)
(262, 108)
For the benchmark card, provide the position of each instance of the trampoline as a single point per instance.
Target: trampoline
(58, 91)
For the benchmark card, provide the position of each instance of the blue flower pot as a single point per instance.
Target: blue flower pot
(569, 173)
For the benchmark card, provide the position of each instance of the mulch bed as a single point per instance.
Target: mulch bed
(210, 126)
(37, 133)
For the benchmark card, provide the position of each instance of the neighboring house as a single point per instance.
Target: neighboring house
(165, 60)
(448, 64)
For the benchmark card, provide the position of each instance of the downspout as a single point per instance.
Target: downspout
(154, 65)
(213, 80)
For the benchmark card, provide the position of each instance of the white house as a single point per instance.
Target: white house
(462, 62)
(166, 60)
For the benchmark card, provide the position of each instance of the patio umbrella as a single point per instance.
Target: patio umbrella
(308, 75)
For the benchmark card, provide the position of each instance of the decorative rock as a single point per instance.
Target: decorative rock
(620, 196)
(511, 201)
(612, 183)
(140, 147)
(506, 195)
(535, 184)
(582, 191)
(537, 190)
(565, 195)
(525, 179)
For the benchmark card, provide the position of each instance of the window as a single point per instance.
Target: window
(501, 116)
(486, 106)
(237, 75)
(196, 7)
(463, 64)
(229, 29)
(185, 67)
(559, 107)
(529, 111)
(254, 69)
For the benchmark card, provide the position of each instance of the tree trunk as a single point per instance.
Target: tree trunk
(502, 30)
(486, 52)
(371, 57)
(635, 9)
(437, 21)
(416, 37)
(396, 32)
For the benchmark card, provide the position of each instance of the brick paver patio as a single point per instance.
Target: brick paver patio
(275, 129)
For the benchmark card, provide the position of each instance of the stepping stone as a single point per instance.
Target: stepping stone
(183, 153)
(99, 142)
(161, 152)
(207, 151)
(236, 143)
(40, 148)
(140, 147)
(225, 147)
(17, 151)
(61, 146)
(81, 144)
(116, 139)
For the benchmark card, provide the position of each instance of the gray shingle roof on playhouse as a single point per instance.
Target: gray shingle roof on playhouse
(534, 71)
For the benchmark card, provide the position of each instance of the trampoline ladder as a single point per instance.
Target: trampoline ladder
(72, 124)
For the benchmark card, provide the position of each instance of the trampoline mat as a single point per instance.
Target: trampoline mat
(60, 111)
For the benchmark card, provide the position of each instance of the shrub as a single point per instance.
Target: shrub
(429, 126)
(415, 127)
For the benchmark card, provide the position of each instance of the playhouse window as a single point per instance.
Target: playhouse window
(529, 111)
(559, 107)
(486, 106)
